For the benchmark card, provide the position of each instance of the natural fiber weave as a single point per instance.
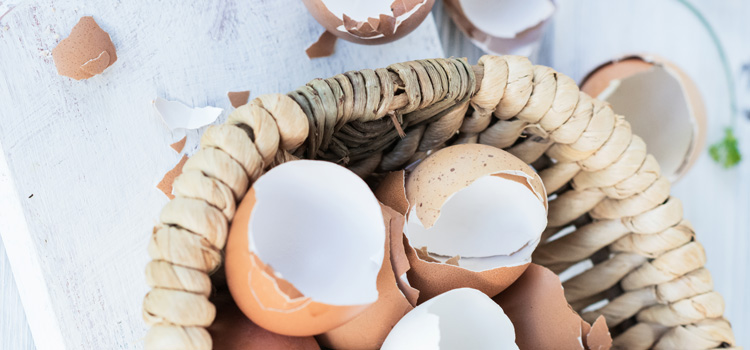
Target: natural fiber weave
(607, 191)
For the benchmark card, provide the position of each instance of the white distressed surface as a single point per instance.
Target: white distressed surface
(715, 200)
(91, 152)
(586, 33)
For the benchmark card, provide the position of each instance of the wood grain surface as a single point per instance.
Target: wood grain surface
(91, 152)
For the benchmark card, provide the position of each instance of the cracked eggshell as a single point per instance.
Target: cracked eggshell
(369, 329)
(502, 27)
(86, 52)
(231, 330)
(662, 104)
(474, 214)
(369, 22)
(462, 318)
(305, 248)
(543, 319)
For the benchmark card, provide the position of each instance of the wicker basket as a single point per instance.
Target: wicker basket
(605, 188)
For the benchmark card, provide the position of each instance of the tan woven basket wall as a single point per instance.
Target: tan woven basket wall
(646, 260)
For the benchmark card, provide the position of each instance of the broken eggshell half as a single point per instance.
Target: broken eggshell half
(474, 214)
(504, 27)
(662, 104)
(369, 329)
(543, 319)
(369, 22)
(462, 318)
(305, 248)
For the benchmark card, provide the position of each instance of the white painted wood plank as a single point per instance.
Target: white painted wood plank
(586, 33)
(14, 331)
(91, 152)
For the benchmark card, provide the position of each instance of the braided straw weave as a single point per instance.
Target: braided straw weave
(607, 191)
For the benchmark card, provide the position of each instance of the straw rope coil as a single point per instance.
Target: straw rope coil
(610, 205)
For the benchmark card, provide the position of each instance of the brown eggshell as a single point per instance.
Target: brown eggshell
(432, 278)
(599, 80)
(86, 52)
(323, 47)
(377, 24)
(598, 337)
(269, 301)
(542, 318)
(371, 327)
(238, 98)
(179, 145)
(231, 330)
(165, 185)
(451, 169)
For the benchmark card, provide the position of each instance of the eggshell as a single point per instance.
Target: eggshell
(324, 47)
(385, 24)
(86, 52)
(641, 87)
(463, 318)
(542, 318)
(179, 145)
(369, 329)
(231, 330)
(165, 185)
(503, 27)
(442, 177)
(238, 98)
(322, 230)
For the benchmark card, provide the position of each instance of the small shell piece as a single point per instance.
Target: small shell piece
(88, 51)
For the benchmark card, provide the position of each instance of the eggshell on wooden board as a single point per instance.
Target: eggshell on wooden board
(238, 98)
(86, 52)
(644, 86)
(382, 26)
(369, 329)
(231, 330)
(542, 317)
(165, 185)
(285, 219)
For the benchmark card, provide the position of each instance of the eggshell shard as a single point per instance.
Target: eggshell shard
(369, 329)
(165, 185)
(86, 52)
(542, 318)
(238, 98)
(502, 27)
(231, 330)
(459, 319)
(179, 145)
(305, 248)
(369, 22)
(643, 87)
(179, 116)
(475, 215)
(323, 47)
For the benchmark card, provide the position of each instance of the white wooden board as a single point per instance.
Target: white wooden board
(91, 152)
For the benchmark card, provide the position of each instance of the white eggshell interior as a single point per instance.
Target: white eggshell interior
(489, 223)
(359, 10)
(319, 227)
(458, 319)
(506, 18)
(656, 106)
(179, 116)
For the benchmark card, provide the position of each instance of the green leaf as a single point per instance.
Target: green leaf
(726, 152)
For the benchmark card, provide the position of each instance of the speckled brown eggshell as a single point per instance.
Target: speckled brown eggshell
(88, 51)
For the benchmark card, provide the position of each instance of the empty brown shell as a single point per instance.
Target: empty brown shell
(88, 51)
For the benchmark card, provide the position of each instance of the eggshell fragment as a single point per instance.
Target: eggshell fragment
(369, 22)
(475, 214)
(662, 104)
(462, 318)
(238, 98)
(179, 116)
(323, 47)
(542, 318)
(179, 145)
(305, 248)
(165, 185)
(88, 51)
(231, 330)
(369, 329)
(502, 26)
